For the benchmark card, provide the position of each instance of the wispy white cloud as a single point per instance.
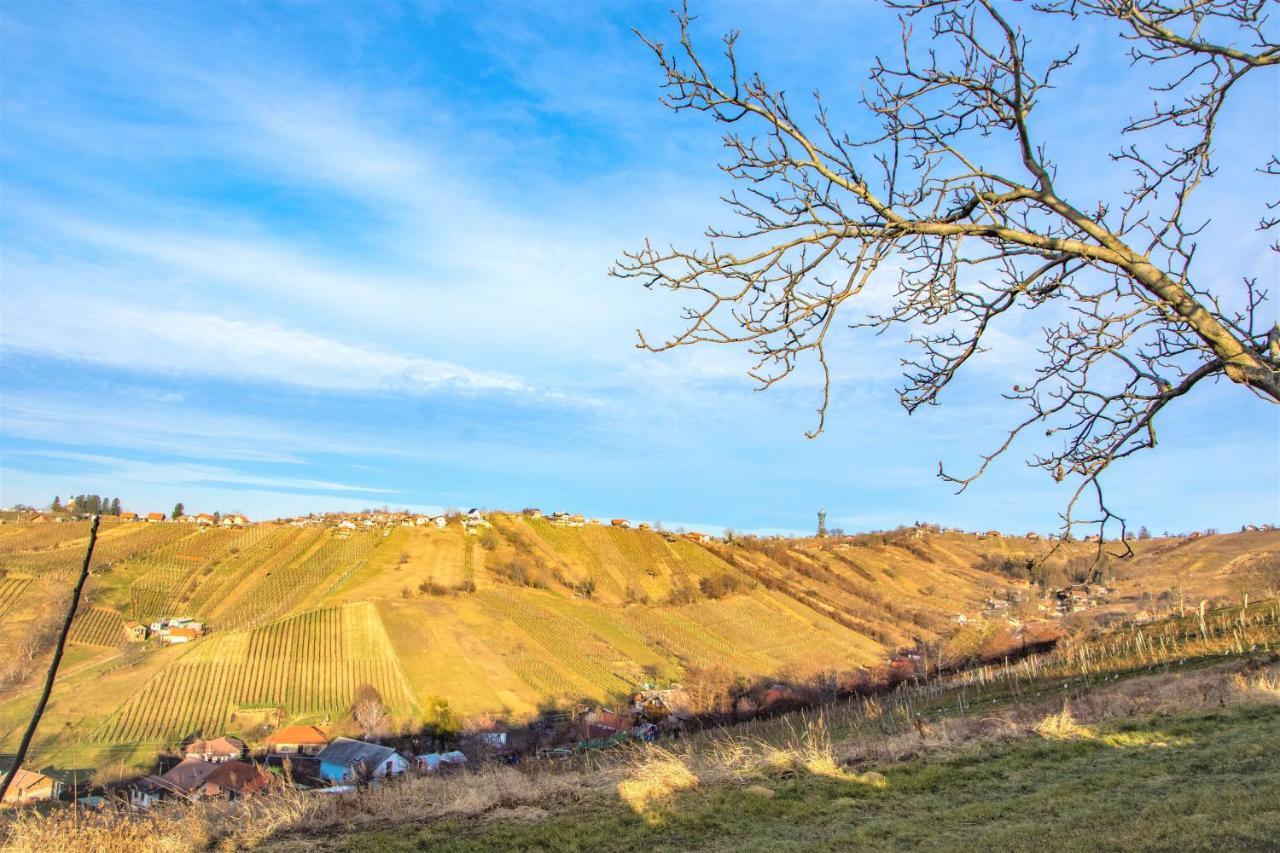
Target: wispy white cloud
(178, 474)
(139, 338)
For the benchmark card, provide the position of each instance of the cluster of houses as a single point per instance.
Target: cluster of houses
(308, 757)
(204, 519)
(172, 631)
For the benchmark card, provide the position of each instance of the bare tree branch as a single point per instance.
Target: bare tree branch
(1129, 326)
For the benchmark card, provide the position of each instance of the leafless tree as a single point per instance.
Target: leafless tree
(1130, 323)
(369, 712)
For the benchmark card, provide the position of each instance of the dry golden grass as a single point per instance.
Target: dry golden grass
(641, 778)
(175, 827)
(653, 778)
(1059, 726)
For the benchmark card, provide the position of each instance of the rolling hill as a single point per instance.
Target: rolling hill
(524, 616)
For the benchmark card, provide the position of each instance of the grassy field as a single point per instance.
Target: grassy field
(504, 624)
(1112, 748)
(1203, 781)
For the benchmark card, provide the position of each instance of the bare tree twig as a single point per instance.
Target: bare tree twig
(1129, 322)
(21, 754)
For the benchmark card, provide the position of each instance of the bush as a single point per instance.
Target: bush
(518, 571)
(682, 594)
(719, 586)
(430, 587)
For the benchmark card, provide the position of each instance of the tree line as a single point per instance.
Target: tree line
(92, 504)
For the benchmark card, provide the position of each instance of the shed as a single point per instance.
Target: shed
(29, 786)
(348, 760)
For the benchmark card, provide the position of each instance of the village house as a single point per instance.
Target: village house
(128, 516)
(155, 516)
(620, 522)
(183, 780)
(29, 786)
(175, 636)
(297, 740)
(234, 520)
(205, 519)
(218, 750)
(234, 779)
(348, 760)
(135, 632)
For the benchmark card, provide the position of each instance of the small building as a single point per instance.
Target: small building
(1033, 535)
(298, 740)
(205, 519)
(234, 779)
(433, 762)
(155, 516)
(234, 520)
(183, 780)
(620, 522)
(29, 786)
(217, 751)
(349, 760)
(135, 631)
(128, 516)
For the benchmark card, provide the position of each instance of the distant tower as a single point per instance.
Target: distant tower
(822, 522)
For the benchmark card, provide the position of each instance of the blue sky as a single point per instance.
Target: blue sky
(288, 257)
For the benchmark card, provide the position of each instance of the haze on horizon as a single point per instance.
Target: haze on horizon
(263, 260)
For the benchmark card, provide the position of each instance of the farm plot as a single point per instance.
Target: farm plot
(310, 664)
(698, 560)
(114, 545)
(679, 636)
(97, 626)
(569, 645)
(220, 590)
(771, 636)
(26, 536)
(592, 550)
(284, 588)
(169, 571)
(11, 589)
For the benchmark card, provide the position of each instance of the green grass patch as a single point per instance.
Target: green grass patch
(1204, 781)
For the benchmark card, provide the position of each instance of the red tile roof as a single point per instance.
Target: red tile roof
(302, 735)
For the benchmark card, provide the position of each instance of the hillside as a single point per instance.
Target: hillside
(1154, 737)
(522, 617)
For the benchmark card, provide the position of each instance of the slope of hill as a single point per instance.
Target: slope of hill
(1152, 737)
(523, 617)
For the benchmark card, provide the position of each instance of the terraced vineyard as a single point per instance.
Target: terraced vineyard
(280, 590)
(297, 616)
(274, 547)
(310, 664)
(581, 659)
(11, 589)
(98, 626)
(116, 543)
